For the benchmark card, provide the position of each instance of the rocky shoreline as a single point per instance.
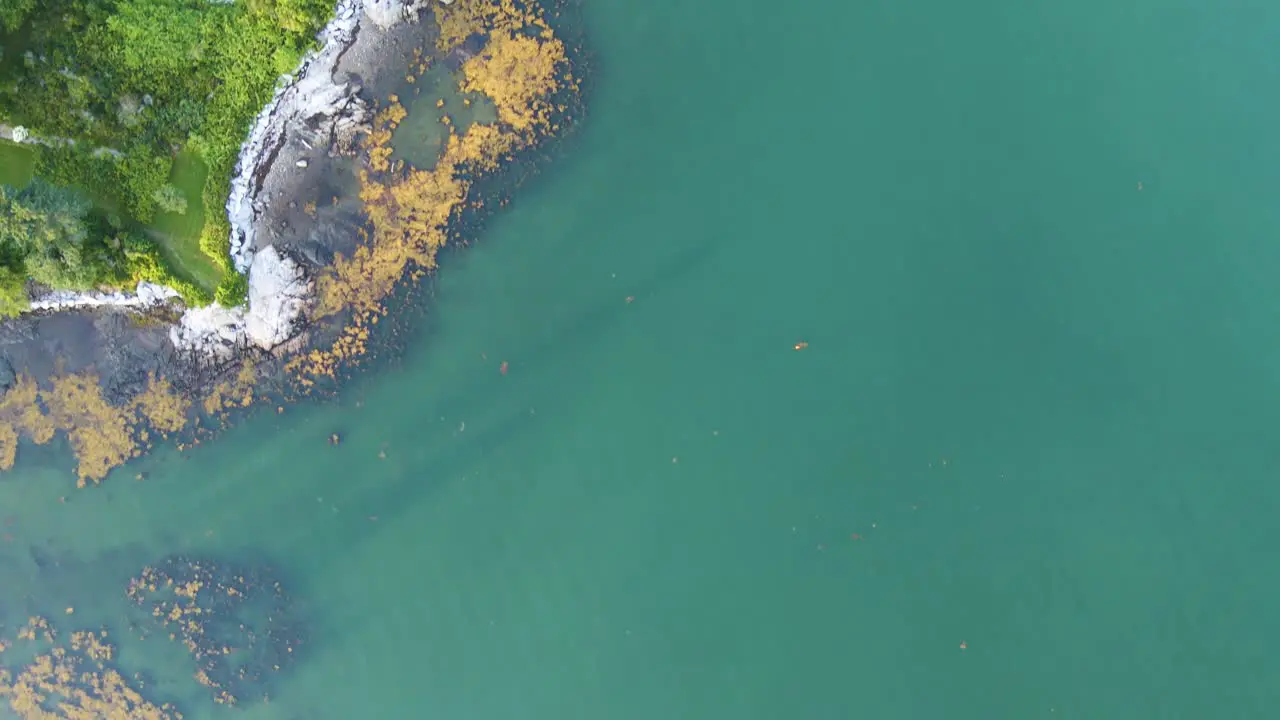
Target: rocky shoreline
(326, 221)
(319, 111)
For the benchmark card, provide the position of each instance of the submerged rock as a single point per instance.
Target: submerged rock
(238, 623)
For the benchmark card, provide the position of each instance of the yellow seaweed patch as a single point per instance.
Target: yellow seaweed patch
(101, 435)
(8, 445)
(161, 406)
(380, 138)
(99, 432)
(229, 394)
(237, 623)
(463, 18)
(518, 73)
(21, 411)
(74, 683)
(37, 628)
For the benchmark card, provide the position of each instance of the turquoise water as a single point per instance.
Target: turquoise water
(1033, 252)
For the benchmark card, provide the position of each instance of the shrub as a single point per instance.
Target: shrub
(13, 291)
(170, 199)
(233, 290)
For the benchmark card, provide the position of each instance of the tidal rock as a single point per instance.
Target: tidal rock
(387, 13)
(153, 294)
(213, 331)
(7, 376)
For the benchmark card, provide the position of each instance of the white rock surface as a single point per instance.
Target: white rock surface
(153, 294)
(213, 331)
(147, 295)
(387, 13)
(279, 293)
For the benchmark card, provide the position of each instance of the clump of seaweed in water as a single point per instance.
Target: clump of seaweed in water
(101, 435)
(238, 623)
(72, 680)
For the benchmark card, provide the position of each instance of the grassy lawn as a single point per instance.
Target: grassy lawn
(16, 164)
(179, 235)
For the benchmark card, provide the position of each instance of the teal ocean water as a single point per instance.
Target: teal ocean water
(1025, 467)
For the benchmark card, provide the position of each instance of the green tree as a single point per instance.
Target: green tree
(159, 43)
(13, 291)
(45, 226)
(170, 199)
(14, 12)
(140, 175)
(233, 290)
(299, 18)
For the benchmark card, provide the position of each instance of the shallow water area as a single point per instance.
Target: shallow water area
(436, 108)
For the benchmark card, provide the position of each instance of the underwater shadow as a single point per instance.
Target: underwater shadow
(385, 493)
(571, 334)
(399, 489)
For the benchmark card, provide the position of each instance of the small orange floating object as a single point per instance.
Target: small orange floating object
(855, 536)
(801, 345)
(503, 368)
(631, 299)
(964, 645)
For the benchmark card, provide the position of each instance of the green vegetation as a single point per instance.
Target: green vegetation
(55, 236)
(178, 233)
(43, 234)
(17, 162)
(142, 106)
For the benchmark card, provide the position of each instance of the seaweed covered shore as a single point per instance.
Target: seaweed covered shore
(326, 222)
